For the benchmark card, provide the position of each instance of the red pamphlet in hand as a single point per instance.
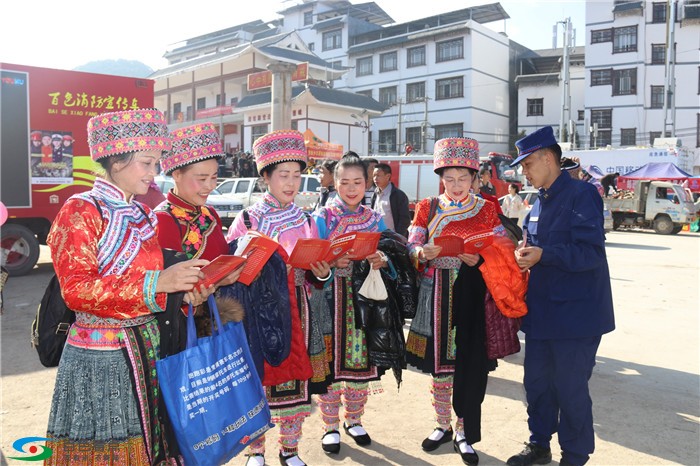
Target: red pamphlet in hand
(308, 251)
(452, 245)
(219, 268)
(257, 252)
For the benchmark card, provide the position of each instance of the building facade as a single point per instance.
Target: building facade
(540, 94)
(442, 76)
(626, 69)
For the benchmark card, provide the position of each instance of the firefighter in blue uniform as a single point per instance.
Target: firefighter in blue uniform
(569, 302)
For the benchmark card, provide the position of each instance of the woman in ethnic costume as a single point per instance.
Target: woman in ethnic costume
(185, 222)
(281, 157)
(349, 370)
(447, 336)
(105, 407)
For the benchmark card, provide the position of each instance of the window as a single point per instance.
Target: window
(601, 77)
(242, 186)
(363, 66)
(658, 54)
(336, 65)
(604, 119)
(415, 91)
(415, 56)
(414, 137)
(387, 140)
(312, 46)
(387, 96)
(201, 103)
(697, 132)
(625, 81)
(625, 39)
(257, 131)
(367, 93)
(658, 12)
(233, 101)
(308, 17)
(177, 109)
(449, 50)
(601, 35)
(657, 97)
(333, 39)
(448, 131)
(628, 137)
(388, 62)
(450, 88)
(535, 107)
(653, 135)
(581, 115)
(218, 100)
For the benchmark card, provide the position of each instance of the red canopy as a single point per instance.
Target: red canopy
(663, 171)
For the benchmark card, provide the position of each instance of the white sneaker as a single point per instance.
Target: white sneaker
(255, 459)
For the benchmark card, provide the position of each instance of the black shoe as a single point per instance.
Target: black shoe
(332, 448)
(531, 454)
(284, 458)
(362, 440)
(471, 459)
(430, 444)
(563, 462)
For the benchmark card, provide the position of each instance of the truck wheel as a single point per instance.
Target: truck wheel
(617, 221)
(677, 229)
(20, 249)
(663, 225)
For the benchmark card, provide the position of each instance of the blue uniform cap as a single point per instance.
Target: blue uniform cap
(543, 137)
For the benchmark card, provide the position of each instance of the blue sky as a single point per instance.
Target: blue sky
(73, 32)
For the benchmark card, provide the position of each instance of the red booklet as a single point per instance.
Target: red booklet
(219, 268)
(257, 252)
(308, 251)
(452, 245)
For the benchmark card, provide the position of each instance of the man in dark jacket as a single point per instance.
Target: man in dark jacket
(390, 201)
(569, 301)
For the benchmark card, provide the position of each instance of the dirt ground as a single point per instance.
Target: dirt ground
(645, 387)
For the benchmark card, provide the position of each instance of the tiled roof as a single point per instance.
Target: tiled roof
(322, 94)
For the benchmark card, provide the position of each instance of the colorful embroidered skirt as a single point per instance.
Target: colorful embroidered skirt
(96, 417)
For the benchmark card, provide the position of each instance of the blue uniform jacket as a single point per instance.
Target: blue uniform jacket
(569, 294)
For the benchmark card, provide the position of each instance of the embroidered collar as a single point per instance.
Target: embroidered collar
(340, 208)
(456, 203)
(274, 203)
(105, 189)
(197, 221)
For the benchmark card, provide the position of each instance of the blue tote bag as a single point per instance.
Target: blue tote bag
(213, 394)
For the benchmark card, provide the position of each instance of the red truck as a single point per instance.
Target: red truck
(44, 155)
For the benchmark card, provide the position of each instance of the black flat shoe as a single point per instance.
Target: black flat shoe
(430, 444)
(472, 459)
(362, 440)
(332, 448)
(284, 459)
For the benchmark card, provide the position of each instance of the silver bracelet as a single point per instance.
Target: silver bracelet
(326, 278)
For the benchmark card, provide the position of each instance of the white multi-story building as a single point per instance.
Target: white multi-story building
(540, 98)
(626, 71)
(442, 76)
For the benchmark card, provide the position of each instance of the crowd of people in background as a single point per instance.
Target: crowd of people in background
(127, 269)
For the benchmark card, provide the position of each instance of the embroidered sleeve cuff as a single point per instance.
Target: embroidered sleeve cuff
(153, 302)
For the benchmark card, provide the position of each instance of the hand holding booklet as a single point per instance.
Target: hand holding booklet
(257, 249)
(219, 268)
(309, 251)
(452, 246)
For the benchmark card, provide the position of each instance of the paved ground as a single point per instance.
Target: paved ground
(645, 387)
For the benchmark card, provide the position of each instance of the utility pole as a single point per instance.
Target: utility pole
(669, 72)
(424, 127)
(398, 138)
(565, 90)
